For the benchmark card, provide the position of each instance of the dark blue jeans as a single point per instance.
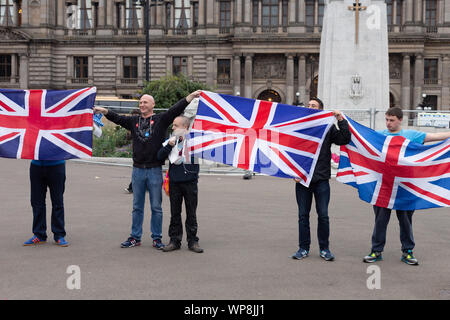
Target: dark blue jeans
(382, 216)
(321, 192)
(53, 178)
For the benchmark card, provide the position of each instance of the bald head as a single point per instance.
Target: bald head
(146, 105)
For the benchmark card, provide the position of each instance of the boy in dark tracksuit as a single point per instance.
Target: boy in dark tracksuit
(183, 179)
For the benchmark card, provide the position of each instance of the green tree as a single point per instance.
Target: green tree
(169, 89)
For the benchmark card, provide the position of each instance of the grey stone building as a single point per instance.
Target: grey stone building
(266, 49)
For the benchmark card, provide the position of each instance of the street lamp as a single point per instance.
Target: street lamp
(297, 101)
(146, 4)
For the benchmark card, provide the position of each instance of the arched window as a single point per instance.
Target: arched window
(6, 12)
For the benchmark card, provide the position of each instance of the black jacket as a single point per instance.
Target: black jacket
(145, 149)
(339, 137)
(179, 172)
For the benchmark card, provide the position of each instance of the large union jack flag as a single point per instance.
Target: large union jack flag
(393, 172)
(46, 124)
(270, 138)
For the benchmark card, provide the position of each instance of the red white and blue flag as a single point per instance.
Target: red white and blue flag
(261, 136)
(46, 124)
(393, 172)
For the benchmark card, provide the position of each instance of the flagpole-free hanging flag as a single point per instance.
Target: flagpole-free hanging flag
(393, 172)
(261, 136)
(46, 124)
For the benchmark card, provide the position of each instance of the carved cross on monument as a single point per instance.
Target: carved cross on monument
(357, 8)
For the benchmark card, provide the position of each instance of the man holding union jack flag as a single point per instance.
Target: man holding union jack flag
(394, 118)
(319, 188)
(46, 126)
(148, 132)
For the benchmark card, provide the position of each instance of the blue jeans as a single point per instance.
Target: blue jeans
(321, 192)
(142, 180)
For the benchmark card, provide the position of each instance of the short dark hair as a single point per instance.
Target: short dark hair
(319, 101)
(395, 111)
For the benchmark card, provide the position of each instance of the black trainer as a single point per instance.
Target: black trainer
(130, 242)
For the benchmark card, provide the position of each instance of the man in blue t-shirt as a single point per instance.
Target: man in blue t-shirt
(394, 117)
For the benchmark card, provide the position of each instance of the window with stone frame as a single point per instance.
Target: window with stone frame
(255, 14)
(182, 16)
(81, 69)
(309, 14)
(284, 14)
(223, 71)
(194, 15)
(320, 12)
(118, 15)
(398, 17)
(133, 15)
(6, 12)
(430, 13)
(130, 68)
(269, 19)
(431, 73)
(84, 19)
(168, 15)
(390, 10)
(225, 16)
(394, 6)
(179, 65)
(5, 67)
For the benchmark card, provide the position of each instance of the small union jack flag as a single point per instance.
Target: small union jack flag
(46, 124)
(261, 136)
(393, 172)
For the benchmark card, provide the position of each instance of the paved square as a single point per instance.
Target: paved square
(248, 229)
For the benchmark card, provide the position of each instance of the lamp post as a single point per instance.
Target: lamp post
(297, 96)
(146, 4)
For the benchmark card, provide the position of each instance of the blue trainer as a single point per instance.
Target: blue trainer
(34, 241)
(157, 243)
(300, 254)
(62, 242)
(130, 242)
(327, 255)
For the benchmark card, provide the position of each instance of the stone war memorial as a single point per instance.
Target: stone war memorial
(354, 59)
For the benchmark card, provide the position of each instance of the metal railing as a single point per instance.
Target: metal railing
(368, 117)
(374, 118)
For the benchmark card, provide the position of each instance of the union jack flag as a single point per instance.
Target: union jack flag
(393, 172)
(46, 124)
(261, 136)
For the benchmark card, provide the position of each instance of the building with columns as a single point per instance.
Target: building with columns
(266, 49)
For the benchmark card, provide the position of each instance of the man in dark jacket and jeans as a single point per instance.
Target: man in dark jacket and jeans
(320, 189)
(148, 131)
(183, 178)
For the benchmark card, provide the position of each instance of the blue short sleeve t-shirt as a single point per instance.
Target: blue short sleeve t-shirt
(413, 135)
